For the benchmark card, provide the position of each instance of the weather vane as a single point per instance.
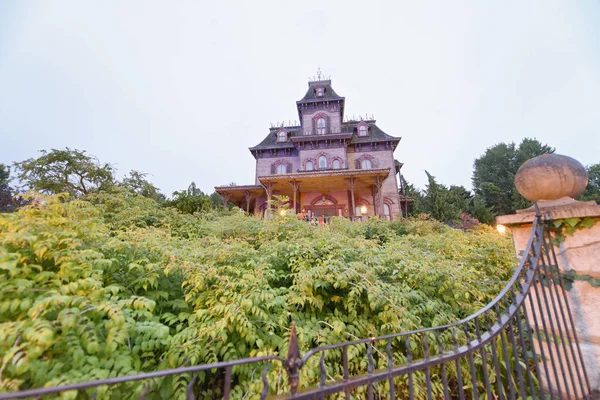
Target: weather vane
(318, 73)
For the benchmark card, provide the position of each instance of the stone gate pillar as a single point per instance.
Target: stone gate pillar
(553, 181)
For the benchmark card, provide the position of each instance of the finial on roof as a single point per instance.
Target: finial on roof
(319, 73)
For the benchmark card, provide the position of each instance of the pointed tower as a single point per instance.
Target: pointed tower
(321, 110)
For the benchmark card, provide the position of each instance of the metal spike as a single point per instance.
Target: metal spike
(293, 361)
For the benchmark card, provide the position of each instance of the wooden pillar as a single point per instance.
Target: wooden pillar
(248, 198)
(351, 184)
(295, 188)
(269, 189)
(225, 198)
(379, 183)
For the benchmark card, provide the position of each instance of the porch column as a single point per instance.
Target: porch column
(374, 194)
(269, 189)
(351, 184)
(248, 198)
(379, 184)
(295, 187)
(225, 198)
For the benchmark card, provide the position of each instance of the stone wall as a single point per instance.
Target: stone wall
(579, 252)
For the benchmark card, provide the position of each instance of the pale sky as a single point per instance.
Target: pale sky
(181, 89)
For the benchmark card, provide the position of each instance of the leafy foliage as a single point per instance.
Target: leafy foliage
(494, 174)
(6, 192)
(65, 171)
(592, 191)
(137, 183)
(115, 284)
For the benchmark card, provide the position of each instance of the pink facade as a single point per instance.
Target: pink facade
(327, 166)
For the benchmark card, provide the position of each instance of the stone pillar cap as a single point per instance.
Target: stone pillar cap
(551, 177)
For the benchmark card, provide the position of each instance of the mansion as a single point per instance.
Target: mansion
(326, 166)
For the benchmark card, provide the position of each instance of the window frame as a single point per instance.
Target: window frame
(363, 130)
(320, 91)
(339, 164)
(321, 130)
(306, 164)
(364, 162)
(321, 158)
(282, 136)
(282, 167)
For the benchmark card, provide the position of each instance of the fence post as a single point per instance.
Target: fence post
(293, 361)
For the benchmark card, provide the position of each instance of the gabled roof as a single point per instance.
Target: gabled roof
(311, 94)
(375, 133)
(270, 142)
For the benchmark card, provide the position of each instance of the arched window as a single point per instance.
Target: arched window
(322, 162)
(321, 126)
(320, 92)
(337, 164)
(366, 164)
(309, 166)
(362, 130)
(386, 210)
(281, 169)
(282, 136)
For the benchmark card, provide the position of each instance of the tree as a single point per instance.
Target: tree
(494, 174)
(592, 191)
(6, 200)
(190, 201)
(65, 171)
(440, 203)
(137, 183)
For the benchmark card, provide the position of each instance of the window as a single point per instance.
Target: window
(282, 136)
(281, 169)
(309, 166)
(366, 164)
(320, 92)
(337, 164)
(321, 126)
(362, 130)
(386, 210)
(322, 162)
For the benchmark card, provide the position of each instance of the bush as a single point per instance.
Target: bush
(117, 284)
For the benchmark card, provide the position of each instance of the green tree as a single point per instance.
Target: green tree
(6, 200)
(592, 191)
(190, 201)
(440, 203)
(494, 174)
(65, 171)
(137, 183)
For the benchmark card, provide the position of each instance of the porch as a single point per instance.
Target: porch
(352, 194)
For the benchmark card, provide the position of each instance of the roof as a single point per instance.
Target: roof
(270, 142)
(311, 94)
(375, 133)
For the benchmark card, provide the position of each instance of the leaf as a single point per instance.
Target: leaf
(572, 221)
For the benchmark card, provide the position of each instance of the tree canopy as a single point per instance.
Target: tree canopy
(65, 171)
(6, 201)
(494, 174)
(592, 191)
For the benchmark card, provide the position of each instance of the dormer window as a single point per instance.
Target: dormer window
(320, 92)
(282, 136)
(362, 130)
(321, 126)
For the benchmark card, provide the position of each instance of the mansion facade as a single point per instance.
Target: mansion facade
(325, 165)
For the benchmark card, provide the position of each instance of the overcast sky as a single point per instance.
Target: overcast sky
(181, 89)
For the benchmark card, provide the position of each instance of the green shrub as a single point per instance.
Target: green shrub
(116, 285)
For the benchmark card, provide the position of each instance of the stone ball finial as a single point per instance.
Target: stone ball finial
(551, 177)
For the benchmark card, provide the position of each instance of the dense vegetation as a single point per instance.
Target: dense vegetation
(113, 284)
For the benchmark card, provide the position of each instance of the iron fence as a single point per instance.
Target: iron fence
(521, 345)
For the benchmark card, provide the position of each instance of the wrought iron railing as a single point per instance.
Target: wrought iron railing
(521, 345)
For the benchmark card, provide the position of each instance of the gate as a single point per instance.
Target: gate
(521, 345)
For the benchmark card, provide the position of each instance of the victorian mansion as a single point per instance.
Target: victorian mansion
(325, 165)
